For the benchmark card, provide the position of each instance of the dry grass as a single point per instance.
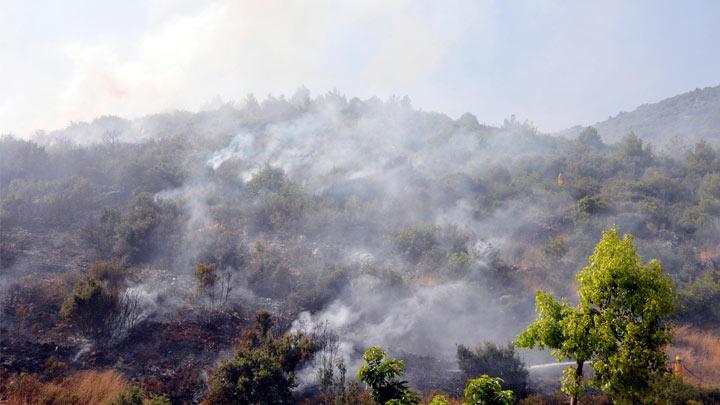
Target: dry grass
(700, 351)
(85, 387)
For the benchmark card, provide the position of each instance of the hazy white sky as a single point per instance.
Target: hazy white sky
(557, 63)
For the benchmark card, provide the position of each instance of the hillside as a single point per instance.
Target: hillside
(293, 231)
(689, 117)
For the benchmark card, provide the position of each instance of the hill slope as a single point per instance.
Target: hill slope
(689, 117)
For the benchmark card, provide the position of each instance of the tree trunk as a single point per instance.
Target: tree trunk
(575, 399)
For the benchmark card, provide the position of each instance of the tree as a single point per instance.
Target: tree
(564, 330)
(382, 374)
(495, 360)
(590, 137)
(630, 303)
(710, 194)
(486, 390)
(620, 323)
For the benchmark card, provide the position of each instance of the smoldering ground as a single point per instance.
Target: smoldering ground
(397, 227)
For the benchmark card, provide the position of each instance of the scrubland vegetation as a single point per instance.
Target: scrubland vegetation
(325, 250)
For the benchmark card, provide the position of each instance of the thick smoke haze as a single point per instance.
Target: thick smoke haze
(385, 224)
(190, 187)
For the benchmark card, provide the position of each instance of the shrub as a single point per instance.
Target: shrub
(100, 312)
(439, 400)
(591, 205)
(212, 285)
(91, 308)
(135, 395)
(250, 377)
(262, 371)
(413, 242)
(486, 390)
(495, 360)
(701, 299)
(382, 374)
(670, 389)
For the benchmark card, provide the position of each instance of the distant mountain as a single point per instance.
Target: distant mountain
(688, 117)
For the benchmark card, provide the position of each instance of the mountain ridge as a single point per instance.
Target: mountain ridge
(687, 117)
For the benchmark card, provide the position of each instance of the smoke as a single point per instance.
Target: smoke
(397, 228)
(430, 320)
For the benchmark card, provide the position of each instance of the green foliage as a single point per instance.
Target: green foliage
(92, 307)
(263, 323)
(459, 263)
(268, 179)
(670, 389)
(486, 390)
(590, 137)
(703, 159)
(630, 303)
(278, 202)
(250, 377)
(495, 360)
(439, 400)
(591, 205)
(565, 331)
(413, 242)
(556, 248)
(136, 230)
(262, 372)
(632, 157)
(157, 400)
(710, 194)
(381, 374)
(135, 395)
(701, 299)
(620, 323)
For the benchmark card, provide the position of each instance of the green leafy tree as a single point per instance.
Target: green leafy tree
(630, 303)
(382, 374)
(564, 330)
(486, 390)
(620, 324)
